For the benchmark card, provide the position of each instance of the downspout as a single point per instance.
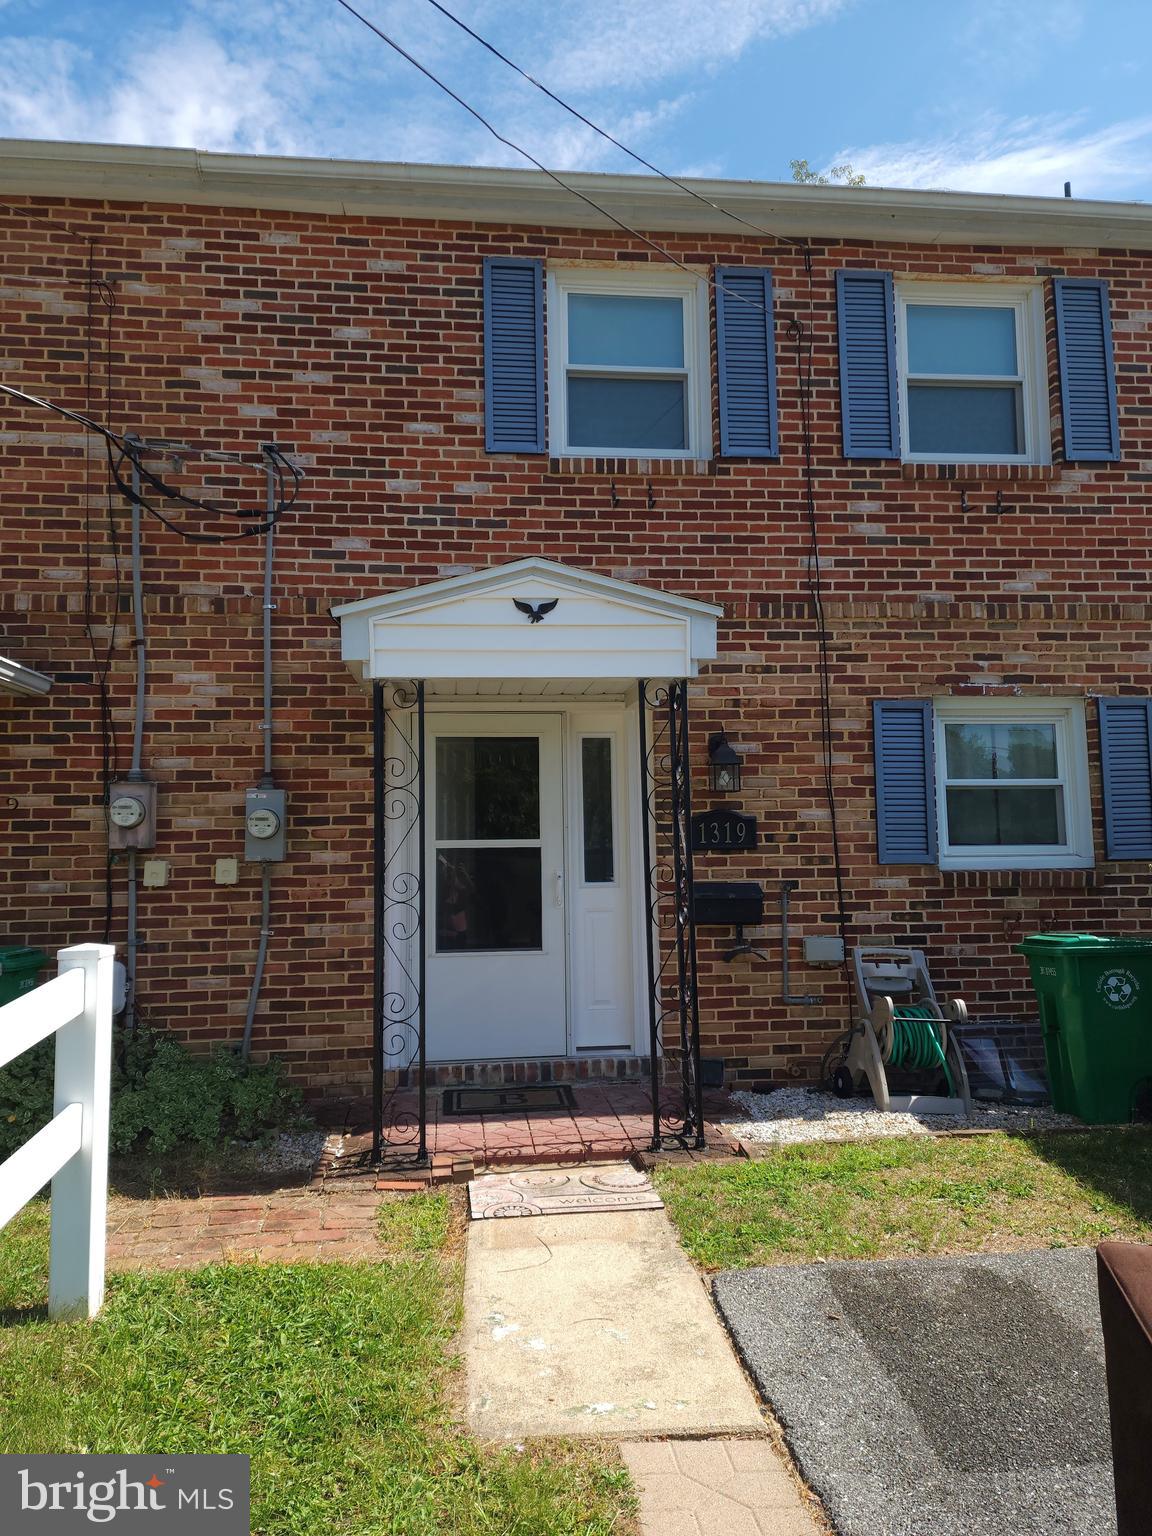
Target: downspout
(267, 781)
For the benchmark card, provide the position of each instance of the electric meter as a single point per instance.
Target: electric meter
(263, 823)
(126, 811)
(132, 814)
(264, 816)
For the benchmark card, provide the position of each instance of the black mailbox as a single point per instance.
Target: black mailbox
(728, 903)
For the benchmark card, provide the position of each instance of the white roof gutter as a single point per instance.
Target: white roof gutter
(486, 195)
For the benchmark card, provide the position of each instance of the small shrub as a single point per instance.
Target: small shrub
(25, 1096)
(163, 1096)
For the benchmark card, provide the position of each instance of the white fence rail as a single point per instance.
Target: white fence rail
(72, 1149)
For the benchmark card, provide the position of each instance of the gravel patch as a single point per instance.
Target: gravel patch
(937, 1397)
(291, 1152)
(798, 1114)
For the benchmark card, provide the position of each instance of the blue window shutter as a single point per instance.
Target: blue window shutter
(1126, 767)
(905, 781)
(513, 355)
(746, 363)
(1087, 371)
(869, 398)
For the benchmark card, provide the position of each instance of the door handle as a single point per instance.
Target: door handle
(559, 896)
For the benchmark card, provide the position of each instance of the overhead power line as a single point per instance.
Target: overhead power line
(802, 335)
(604, 134)
(566, 186)
(122, 449)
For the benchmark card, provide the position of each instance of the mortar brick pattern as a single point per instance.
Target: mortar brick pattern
(357, 341)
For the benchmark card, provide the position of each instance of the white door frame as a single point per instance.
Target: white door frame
(401, 957)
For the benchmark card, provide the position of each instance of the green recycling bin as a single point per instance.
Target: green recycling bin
(19, 969)
(1095, 999)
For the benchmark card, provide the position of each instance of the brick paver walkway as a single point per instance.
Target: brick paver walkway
(282, 1226)
(609, 1122)
(715, 1488)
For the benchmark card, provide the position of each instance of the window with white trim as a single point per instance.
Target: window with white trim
(972, 371)
(628, 364)
(1012, 784)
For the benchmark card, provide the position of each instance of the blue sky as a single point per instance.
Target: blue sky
(1009, 96)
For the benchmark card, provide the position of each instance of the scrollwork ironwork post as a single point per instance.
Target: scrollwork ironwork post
(422, 962)
(399, 919)
(690, 1014)
(378, 859)
(666, 809)
(650, 919)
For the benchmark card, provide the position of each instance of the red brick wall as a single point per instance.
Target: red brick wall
(357, 342)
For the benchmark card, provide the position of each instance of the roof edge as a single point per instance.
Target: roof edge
(495, 195)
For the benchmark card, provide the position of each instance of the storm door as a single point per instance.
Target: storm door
(496, 882)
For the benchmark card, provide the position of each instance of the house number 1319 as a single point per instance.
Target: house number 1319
(723, 832)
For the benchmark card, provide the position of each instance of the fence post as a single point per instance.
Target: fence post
(80, 1189)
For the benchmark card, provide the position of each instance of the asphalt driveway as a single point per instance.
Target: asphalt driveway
(937, 1397)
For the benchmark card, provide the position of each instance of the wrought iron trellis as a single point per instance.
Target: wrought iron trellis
(400, 917)
(399, 921)
(669, 918)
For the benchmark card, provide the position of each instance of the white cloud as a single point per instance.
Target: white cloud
(303, 76)
(1026, 156)
(184, 90)
(188, 91)
(1015, 37)
(601, 46)
(38, 96)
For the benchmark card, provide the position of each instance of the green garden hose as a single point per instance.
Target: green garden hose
(916, 1040)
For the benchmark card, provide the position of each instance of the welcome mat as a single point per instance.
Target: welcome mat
(514, 1101)
(613, 1187)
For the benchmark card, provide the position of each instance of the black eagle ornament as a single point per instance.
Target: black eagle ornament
(535, 611)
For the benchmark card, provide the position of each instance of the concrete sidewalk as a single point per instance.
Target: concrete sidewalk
(594, 1324)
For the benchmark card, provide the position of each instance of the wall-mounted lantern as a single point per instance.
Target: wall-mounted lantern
(725, 765)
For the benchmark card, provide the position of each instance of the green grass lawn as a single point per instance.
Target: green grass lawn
(914, 1196)
(337, 1379)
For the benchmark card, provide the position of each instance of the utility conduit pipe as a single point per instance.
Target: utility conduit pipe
(801, 999)
(136, 771)
(267, 780)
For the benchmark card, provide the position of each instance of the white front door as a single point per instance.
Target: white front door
(496, 929)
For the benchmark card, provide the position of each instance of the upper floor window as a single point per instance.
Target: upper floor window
(971, 366)
(627, 364)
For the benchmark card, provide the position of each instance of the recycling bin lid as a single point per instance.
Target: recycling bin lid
(1082, 941)
(21, 957)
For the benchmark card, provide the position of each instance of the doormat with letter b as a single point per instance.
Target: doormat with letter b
(612, 1187)
(510, 1100)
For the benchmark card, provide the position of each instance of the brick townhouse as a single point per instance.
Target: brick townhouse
(853, 493)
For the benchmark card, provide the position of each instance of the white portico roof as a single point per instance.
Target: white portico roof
(469, 627)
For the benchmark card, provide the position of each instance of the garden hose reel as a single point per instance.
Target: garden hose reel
(902, 1026)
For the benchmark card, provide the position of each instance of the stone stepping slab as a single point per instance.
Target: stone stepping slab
(552, 1192)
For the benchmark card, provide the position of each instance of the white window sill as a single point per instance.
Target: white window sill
(633, 455)
(1008, 863)
(567, 461)
(973, 458)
